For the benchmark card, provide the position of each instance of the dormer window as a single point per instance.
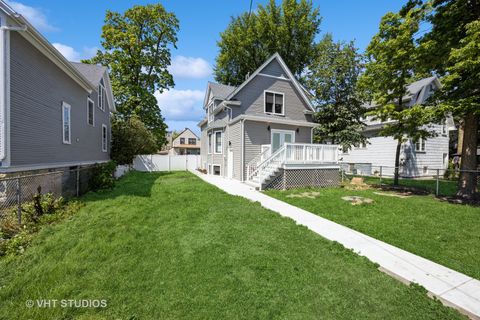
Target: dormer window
(274, 102)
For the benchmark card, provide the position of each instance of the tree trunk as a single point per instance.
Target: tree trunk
(467, 183)
(397, 163)
(460, 137)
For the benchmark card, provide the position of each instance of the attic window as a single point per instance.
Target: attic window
(274, 102)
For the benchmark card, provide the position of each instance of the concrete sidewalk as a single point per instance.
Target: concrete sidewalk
(451, 287)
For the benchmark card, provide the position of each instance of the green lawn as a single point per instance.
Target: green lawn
(445, 233)
(167, 246)
(445, 187)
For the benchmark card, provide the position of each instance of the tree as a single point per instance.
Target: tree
(289, 29)
(332, 78)
(129, 138)
(137, 51)
(460, 95)
(389, 69)
(449, 50)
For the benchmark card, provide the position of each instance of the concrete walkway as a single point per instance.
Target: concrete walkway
(451, 287)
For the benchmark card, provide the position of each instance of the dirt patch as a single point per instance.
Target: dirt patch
(395, 194)
(310, 195)
(356, 183)
(402, 189)
(356, 200)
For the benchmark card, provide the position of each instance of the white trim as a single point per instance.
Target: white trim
(273, 106)
(421, 142)
(215, 144)
(216, 165)
(287, 71)
(209, 142)
(49, 166)
(272, 131)
(279, 120)
(88, 112)
(274, 77)
(242, 153)
(100, 96)
(104, 138)
(66, 106)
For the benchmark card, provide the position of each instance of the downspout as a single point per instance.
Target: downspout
(5, 85)
(227, 144)
(242, 153)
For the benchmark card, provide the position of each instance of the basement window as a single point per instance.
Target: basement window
(216, 170)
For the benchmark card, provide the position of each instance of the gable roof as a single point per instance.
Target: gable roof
(218, 90)
(33, 36)
(184, 130)
(295, 82)
(95, 73)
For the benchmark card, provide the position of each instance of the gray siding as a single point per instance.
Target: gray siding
(38, 88)
(274, 69)
(256, 134)
(235, 137)
(252, 98)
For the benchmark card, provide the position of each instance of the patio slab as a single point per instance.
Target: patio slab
(451, 287)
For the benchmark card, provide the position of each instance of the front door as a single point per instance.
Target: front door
(279, 137)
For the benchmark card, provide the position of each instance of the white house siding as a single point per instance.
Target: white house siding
(380, 151)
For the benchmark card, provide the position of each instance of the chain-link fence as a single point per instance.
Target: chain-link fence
(16, 190)
(439, 181)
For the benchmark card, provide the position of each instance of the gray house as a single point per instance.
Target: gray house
(421, 158)
(261, 132)
(53, 113)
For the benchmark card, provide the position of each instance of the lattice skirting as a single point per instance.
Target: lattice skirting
(297, 178)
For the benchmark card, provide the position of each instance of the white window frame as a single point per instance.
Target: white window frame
(93, 112)
(101, 96)
(210, 115)
(423, 145)
(219, 167)
(215, 142)
(209, 142)
(104, 138)
(273, 107)
(66, 106)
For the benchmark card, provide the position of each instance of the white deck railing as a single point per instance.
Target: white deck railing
(292, 153)
(310, 153)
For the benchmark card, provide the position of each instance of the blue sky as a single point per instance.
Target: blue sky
(74, 27)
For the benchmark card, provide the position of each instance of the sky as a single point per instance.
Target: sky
(74, 28)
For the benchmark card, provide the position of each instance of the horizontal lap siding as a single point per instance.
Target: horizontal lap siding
(253, 102)
(257, 134)
(38, 88)
(235, 137)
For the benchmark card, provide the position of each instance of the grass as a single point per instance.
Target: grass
(170, 246)
(445, 233)
(445, 187)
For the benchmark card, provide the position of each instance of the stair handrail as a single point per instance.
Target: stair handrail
(278, 154)
(253, 164)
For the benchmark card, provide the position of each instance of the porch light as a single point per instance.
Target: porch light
(268, 128)
(298, 130)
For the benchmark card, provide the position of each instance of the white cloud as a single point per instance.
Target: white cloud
(34, 15)
(181, 105)
(190, 67)
(73, 55)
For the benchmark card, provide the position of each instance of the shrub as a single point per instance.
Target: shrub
(130, 138)
(102, 176)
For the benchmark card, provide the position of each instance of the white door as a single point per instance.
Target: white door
(279, 137)
(230, 163)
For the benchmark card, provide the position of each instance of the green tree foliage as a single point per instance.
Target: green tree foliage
(137, 47)
(391, 62)
(451, 49)
(289, 29)
(332, 78)
(129, 138)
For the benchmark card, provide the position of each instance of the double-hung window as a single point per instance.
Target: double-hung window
(218, 141)
(420, 145)
(209, 143)
(182, 140)
(104, 138)
(90, 112)
(274, 103)
(66, 129)
(101, 97)
(192, 141)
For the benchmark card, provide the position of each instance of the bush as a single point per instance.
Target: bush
(102, 176)
(130, 138)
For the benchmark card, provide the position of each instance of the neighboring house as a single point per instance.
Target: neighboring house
(53, 113)
(168, 145)
(186, 142)
(261, 132)
(417, 159)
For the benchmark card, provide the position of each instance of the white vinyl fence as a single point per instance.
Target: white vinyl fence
(157, 162)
